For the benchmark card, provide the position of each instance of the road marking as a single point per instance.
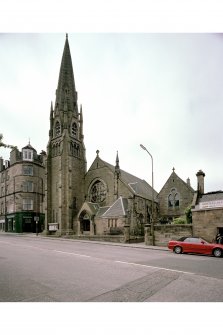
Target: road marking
(81, 255)
(44, 249)
(69, 253)
(155, 267)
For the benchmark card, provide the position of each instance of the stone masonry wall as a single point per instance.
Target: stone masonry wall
(206, 222)
(165, 233)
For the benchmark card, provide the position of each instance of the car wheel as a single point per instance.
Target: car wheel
(178, 250)
(217, 252)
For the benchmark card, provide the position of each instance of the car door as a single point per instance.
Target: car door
(200, 246)
(193, 245)
(205, 247)
(187, 245)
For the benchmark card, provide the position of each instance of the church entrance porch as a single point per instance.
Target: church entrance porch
(85, 224)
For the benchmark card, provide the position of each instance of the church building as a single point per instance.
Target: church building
(53, 193)
(100, 201)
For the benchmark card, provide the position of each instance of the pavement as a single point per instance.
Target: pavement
(141, 245)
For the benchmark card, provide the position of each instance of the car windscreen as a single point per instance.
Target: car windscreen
(182, 239)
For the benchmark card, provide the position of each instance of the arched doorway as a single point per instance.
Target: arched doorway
(85, 223)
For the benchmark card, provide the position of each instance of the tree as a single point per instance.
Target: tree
(5, 145)
(188, 214)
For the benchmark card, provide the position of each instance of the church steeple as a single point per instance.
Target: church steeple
(66, 162)
(66, 95)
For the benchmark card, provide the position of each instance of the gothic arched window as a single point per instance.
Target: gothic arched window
(97, 192)
(57, 129)
(74, 130)
(173, 199)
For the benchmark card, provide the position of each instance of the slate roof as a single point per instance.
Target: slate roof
(118, 209)
(94, 207)
(138, 186)
(211, 200)
(211, 196)
(102, 210)
(29, 146)
(174, 175)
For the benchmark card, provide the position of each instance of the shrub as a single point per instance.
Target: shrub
(188, 214)
(180, 220)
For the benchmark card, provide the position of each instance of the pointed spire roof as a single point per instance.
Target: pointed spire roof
(66, 94)
(117, 160)
(117, 168)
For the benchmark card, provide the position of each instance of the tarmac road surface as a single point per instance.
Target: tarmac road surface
(38, 269)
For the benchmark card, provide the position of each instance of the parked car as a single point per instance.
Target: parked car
(195, 245)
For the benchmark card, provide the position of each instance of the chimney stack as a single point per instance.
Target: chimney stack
(188, 181)
(200, 181)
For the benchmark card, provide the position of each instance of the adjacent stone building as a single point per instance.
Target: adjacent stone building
(207, 211)
(174, 197)
(22, 191)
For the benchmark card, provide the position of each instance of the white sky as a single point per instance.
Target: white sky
(166, 90)
(161, 90)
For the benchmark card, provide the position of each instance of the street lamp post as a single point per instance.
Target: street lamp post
(152, 221)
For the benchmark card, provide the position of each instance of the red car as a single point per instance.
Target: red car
(195, 245)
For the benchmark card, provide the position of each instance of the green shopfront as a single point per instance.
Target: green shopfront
(24, 222)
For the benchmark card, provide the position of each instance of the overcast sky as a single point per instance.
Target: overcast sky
(162, 90)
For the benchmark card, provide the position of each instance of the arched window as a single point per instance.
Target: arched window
(173, 199)
(97, 192)
(74, 149)
(74, 129)
(57, 129)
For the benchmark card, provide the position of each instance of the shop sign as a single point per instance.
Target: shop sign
(10, 216)
(211, 204)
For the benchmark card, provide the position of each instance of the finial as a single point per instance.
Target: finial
(117, 159)
(66, 36)
(97, 152)
(117, 168)
(173, 169)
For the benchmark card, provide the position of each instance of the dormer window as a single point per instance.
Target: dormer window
(27, 154)
(57, 128)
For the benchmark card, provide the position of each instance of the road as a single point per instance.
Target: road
(38, 269)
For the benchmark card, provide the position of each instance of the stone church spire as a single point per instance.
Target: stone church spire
(66, 161)
(66, 95)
